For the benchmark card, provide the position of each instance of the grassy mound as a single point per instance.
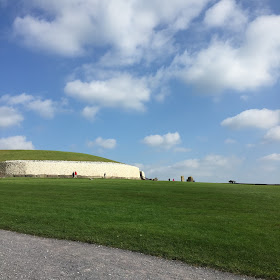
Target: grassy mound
(48, 155)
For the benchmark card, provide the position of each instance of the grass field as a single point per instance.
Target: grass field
(48, 155)
(234, 228)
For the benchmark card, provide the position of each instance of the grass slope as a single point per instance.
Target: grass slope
(230, 227)
(47, 155)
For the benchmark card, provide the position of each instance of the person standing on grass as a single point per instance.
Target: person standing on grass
(75, 174)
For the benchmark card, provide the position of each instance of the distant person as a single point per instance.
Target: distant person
(104, 175)
(75, 174)
(173, 180)
(169, 179)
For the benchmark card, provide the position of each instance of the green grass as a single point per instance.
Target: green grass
(234, 228)
(48, 155)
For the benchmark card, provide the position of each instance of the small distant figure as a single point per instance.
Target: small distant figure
(169, 179)
(173, 180)
(104, 175)
(75, 176)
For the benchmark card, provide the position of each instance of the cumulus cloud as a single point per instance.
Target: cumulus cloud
(46, 108)
(9, 117)
(127, 31)
(273, 134)
(103, 143)
(69, 27)
(226, 64)
(165, 141)
(253, 118)
(16, 99)
(15, 143)
(89, 112)
(271, 157)
(122, 91)
(225, 13)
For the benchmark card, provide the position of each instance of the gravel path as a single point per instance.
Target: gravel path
(29, 257)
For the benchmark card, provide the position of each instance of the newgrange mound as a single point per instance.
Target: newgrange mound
(38, 163)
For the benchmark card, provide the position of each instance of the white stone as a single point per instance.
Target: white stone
(66, 168)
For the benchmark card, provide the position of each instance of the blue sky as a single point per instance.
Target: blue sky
(189, 88)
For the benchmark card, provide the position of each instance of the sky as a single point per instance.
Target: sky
(188, 88)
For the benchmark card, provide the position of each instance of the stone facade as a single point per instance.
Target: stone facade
(84, 169)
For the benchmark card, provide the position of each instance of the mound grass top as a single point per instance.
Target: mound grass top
(48, 155)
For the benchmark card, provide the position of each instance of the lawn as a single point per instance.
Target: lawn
(234, 228)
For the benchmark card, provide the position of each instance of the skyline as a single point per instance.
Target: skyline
(186, 89)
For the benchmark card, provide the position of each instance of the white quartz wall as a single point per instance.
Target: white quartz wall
(66, 168)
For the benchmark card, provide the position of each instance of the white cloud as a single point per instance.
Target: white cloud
(188, 163)
(60, 36)
(128, 27)
(244, 66)
(45, 108)
(122, 91)
(271, 157)
(225, 13)
(217, 160)
(165, 141)
(103, 143)
(16, 143)
(219, 168)
(89, 112)
(16, 99)
(254, 118)
(9, 117)
(211, 168)
(273, 134)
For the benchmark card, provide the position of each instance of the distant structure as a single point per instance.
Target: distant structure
(232, 182)
(65, 169)
(142, 175)
(190, 179)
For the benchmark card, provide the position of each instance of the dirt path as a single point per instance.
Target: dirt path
(29, 257)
